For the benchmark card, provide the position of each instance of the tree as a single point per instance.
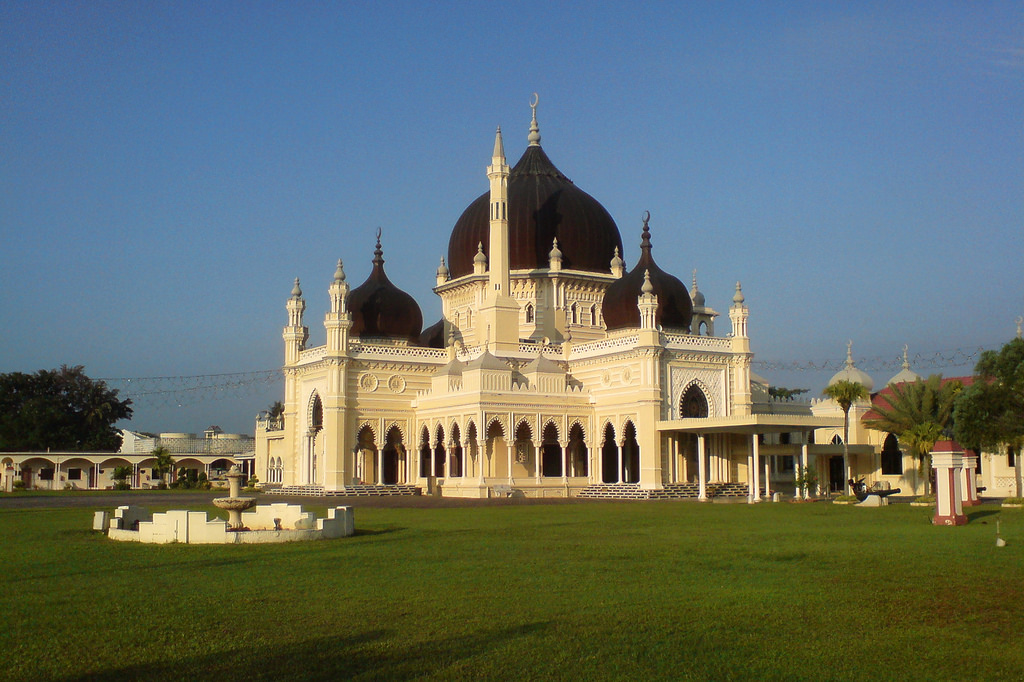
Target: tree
(121, 474)
(846, 393)
(275, 414)
(164, 464)
(989, 414)
(783, 393)
(60, 409)
(918, 413)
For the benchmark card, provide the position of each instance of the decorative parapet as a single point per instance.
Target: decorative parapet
(694, 342)
(396, 352)
(604, 346)
(312, 354)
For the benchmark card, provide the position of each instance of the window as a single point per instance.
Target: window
(529, 313)
(1011, 457)
(74, 474)
(837, 439)
(46, 474)
(892, 458)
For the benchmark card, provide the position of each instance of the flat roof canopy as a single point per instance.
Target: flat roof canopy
(750, 423)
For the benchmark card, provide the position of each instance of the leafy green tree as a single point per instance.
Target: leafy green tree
(784, 393)
(918, 413)
(164, 464)
(60, 409)
(121, 475)
(846, 393)
(989, 414)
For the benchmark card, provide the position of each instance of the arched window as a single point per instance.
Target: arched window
(425, 469)
(630, 455)
(575, 313)
(837, 439)
(693, 404)
(551, 458)
(577, 452)
(609, 456)
(529, 313)
(892, 458)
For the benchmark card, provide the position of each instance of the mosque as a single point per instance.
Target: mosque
(556, 368)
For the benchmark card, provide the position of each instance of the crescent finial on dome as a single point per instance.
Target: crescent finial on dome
(534, 136)
(378, 252)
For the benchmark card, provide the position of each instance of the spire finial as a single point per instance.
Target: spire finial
(906, 362)
(499, 145)
(849, 353)
(339, 274)
(378, 253)
(480, 257)
(296, 290)
(737, 298)
(647, 288)
(645, 236)
(534, 136)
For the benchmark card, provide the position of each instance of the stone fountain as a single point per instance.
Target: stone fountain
(234, 503)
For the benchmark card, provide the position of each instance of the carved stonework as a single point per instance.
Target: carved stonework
(396, 384)
(368, 382)
(711, 381)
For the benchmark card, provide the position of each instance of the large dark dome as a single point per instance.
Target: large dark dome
(380, 309)
(542, 204)
(620, 311)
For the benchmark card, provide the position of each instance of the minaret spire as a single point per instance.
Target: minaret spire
(499, 309)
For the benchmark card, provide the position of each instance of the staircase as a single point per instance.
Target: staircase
(352, 490)
(672, 491)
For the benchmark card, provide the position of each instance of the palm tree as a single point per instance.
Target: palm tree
(164, 464)
(846, 393)
(918, 413)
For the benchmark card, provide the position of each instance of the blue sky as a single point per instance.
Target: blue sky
(167, 169)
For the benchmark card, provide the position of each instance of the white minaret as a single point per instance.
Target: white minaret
(738, 314)
(295, 335)
(499, 311)
(497, 259)
(338, 320)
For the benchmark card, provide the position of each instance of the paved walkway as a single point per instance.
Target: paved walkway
(172, 498)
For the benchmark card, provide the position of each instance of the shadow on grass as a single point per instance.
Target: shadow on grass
(375, 654)
(379, 531)
(981, 513)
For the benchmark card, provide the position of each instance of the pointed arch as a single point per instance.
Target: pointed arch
(551, 450)
(315, 412)
(578, 454)
(425, 452)
(455, 466)
(693, 401)
(440, 452)
(392, 455)
(366, 454)
(529, 313)
(609, 455)
(366, 424)
(630, 454)
(892, 456)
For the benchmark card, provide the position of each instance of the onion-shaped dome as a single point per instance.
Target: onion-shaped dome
(851, 373)
(675, 309)
(380, 309)
(543, 205)
(433, 336)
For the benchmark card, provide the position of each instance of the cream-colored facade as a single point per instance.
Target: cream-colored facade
(534, 392)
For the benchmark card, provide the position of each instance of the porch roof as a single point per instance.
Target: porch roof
(749, 424)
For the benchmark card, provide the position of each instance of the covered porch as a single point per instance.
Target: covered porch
(734, 449)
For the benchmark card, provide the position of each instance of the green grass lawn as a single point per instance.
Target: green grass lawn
(669, 590)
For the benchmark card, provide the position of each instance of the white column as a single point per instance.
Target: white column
(537, 447)
(618, 470)
(565, 462)
(481, 454)
(755, 453)
(767, 476)
(702, 473)
(380, 466)
(511, 447)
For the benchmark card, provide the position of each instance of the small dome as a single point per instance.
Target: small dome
(442, 269)
(675, 309)
(695, 294)
(433, 336)
(905, 375)
(851, 373)
(542, 204)
(380, 309)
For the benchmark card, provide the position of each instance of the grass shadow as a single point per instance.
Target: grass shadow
(375, 654)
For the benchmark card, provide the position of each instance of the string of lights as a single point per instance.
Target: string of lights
(186, 390)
